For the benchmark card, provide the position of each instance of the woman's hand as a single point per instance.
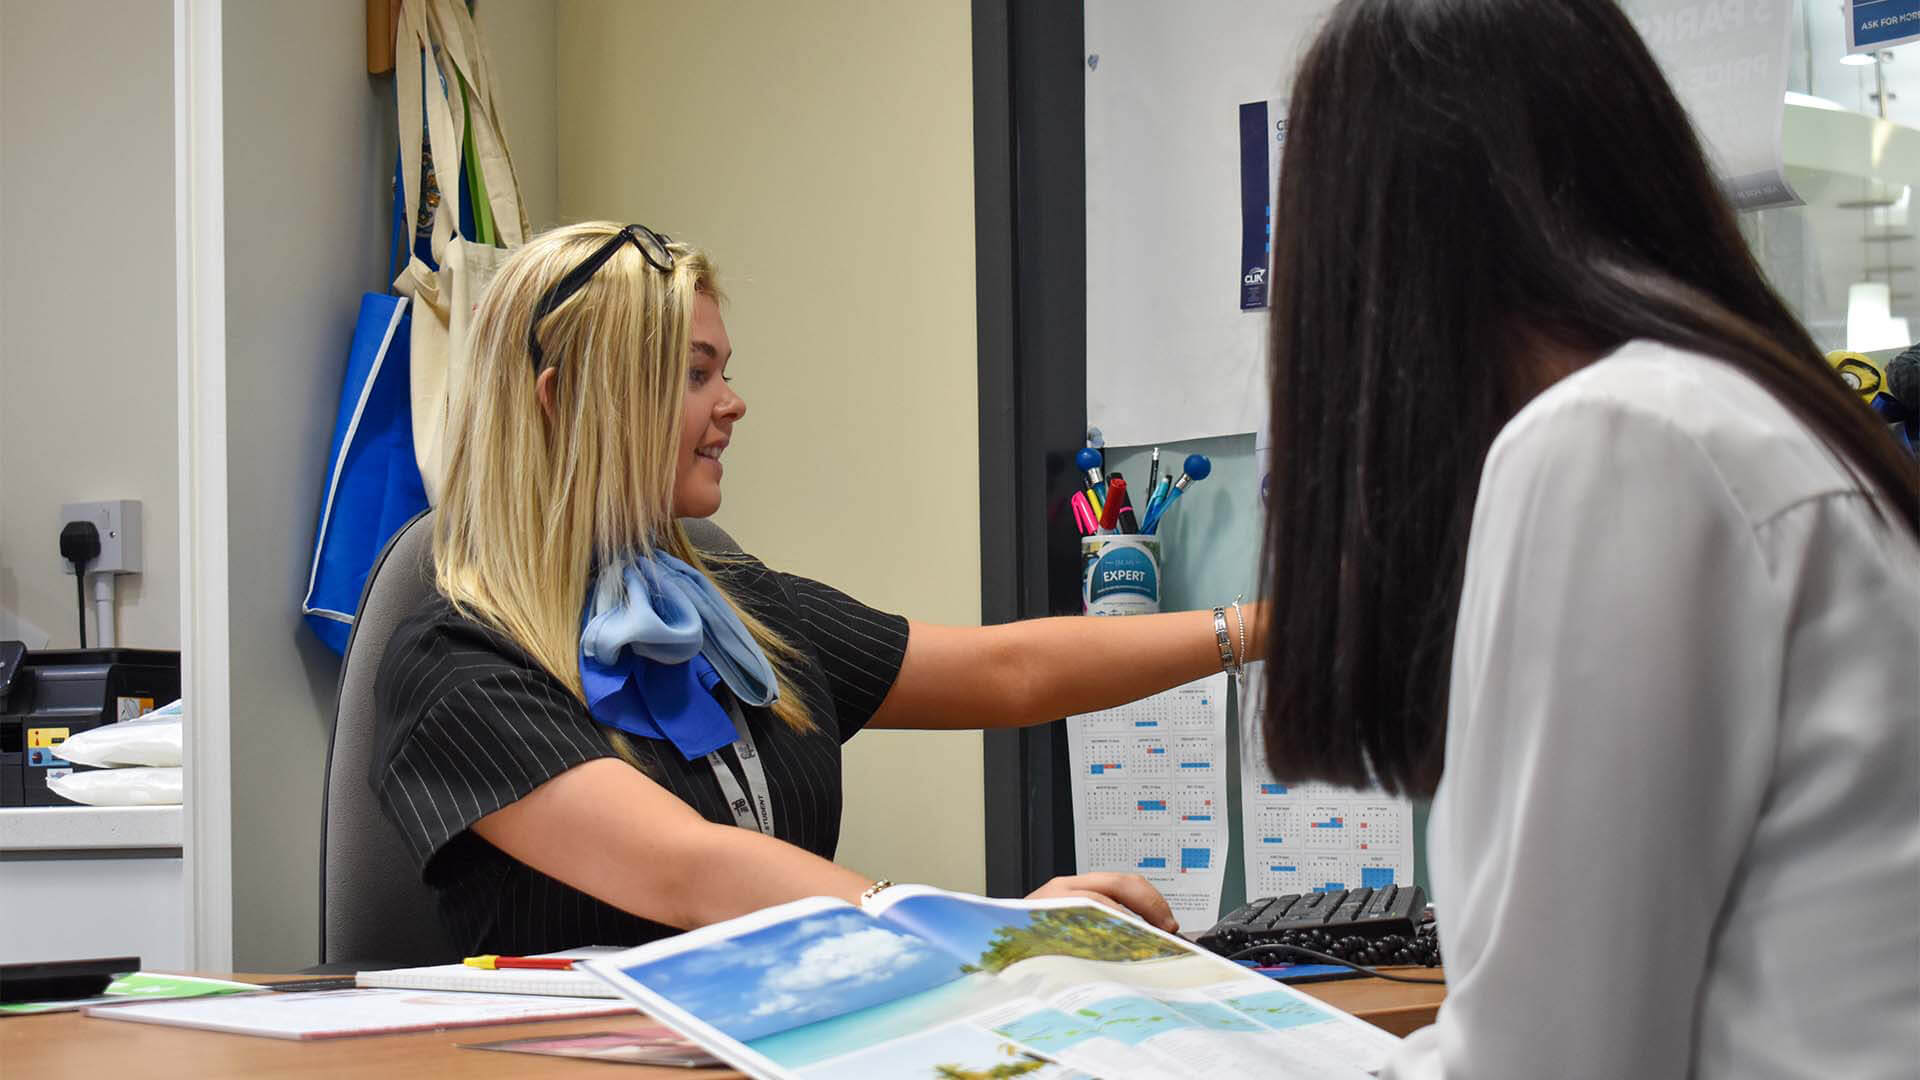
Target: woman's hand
(1121, 892)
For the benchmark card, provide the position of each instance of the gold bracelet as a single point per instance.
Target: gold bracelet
(874, 890)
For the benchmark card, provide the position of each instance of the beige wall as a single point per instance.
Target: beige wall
(309, 144)
(519, 39)
(87, 301)
(823, 153)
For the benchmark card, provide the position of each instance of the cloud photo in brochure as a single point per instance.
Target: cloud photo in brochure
(926, 983)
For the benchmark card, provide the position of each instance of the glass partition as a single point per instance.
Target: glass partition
(1846, 261)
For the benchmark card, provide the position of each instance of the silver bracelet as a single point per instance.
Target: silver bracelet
(1241, 617)
(1224, 640)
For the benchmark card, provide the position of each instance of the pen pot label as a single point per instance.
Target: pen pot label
(1120, 575)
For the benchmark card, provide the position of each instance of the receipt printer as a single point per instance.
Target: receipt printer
(49, 695)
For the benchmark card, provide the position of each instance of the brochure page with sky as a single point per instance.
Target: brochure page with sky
(953, 987)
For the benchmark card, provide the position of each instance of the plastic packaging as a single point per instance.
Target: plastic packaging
(153, 739)
(140, 786)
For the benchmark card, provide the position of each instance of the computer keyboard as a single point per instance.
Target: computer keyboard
(1390, 911)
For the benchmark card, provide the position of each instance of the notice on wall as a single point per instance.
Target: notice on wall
(1150, 794)
(1315, 837)
(1727, 61)
(1263, 133)
(1873, 25)
(1169, 218)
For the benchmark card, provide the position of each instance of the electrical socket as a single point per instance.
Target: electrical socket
(119, 523)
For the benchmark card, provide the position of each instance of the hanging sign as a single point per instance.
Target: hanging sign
(1873, 25)
(1727, 61)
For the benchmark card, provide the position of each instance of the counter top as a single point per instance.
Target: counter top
(89, 828)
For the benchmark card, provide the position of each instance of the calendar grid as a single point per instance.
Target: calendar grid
(1150, 797)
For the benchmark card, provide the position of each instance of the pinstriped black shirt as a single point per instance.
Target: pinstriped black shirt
(469, 723)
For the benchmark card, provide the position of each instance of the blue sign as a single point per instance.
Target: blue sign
(1880, 23)
(1256, 207)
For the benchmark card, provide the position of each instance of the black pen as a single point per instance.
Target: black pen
(295, 986)
(1115, 490)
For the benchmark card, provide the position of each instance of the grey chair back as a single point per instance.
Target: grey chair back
(374, 909)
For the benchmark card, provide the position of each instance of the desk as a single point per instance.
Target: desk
(63, 1045)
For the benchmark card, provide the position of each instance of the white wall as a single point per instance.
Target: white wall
(823, 153)
(86, 301)
(309, 145)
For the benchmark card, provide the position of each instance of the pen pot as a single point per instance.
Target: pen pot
(1119, 574)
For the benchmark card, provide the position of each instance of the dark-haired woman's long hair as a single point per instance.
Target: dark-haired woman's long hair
(1463, 178)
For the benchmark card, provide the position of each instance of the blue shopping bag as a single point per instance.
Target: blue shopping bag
(373, 483)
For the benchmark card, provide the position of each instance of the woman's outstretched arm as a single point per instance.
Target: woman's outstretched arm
(1038, 670)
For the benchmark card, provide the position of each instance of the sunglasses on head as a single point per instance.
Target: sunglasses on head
(652, 246)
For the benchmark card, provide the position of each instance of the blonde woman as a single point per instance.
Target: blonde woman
(594, 734)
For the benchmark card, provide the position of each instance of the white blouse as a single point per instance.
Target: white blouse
(1679, 830)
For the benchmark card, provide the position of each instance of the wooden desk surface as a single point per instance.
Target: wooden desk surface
(60, 1045)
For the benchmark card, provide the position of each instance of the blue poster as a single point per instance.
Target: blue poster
(1877, 24)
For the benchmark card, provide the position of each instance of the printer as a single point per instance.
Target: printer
(50, 695)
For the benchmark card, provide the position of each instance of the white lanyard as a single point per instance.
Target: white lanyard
(756, 813)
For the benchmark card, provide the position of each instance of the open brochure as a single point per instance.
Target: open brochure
(946, 986)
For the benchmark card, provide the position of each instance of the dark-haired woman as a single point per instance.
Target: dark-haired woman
(1582, 537)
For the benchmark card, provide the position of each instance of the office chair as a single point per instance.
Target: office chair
(374, 909)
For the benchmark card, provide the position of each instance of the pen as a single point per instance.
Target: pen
(1197, 468)
(1158, 495)
(1088, 459)
(1117, 489)
(1093, 503)
(1083, 514)
(1116, 495)
(545, 963)
(1153, 474)
(338, 982)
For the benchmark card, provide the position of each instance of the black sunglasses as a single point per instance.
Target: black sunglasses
(653, 248)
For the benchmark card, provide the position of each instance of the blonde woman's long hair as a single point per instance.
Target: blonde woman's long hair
(532, 504)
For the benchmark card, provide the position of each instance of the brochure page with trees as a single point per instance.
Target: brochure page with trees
(946, 986)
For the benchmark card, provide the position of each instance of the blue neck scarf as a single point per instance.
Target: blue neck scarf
(658, 640)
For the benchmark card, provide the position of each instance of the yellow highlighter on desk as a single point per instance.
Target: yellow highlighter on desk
(545, 963)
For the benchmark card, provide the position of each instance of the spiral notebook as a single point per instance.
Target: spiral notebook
(576, 983)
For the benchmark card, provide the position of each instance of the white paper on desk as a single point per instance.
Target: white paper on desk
(1150, 794)
(1314, 837)
(540, 982)
(327, 1014)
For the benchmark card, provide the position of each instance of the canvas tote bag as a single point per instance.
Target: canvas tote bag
(444, 87)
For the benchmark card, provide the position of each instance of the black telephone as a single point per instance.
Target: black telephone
(1388, 925)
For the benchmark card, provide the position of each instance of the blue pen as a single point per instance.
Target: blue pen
(1159, 493)
(1198, 467)
(1088, 459)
